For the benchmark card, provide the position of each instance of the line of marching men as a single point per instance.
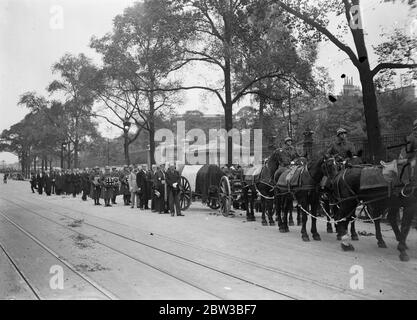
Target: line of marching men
(161, 186)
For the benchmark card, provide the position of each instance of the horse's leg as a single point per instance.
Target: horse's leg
(392, 218)
(284, 225)
(278, 207)
(263, 208)
(303, 203)
(290, 218)
(353, 234)
(326, 206)
(314, 204)
(408, 213)
(344, 211)
(270, 204)
(299, 214)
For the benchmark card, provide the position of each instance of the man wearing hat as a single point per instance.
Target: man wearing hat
(48, 183)
(160, 189)
(173, 180)
(124, 185)
(142, 183)
(341, 147)
(95, 180)
(288, 153)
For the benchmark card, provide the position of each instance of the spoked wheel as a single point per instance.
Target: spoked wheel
(185, 195)
(225, 196)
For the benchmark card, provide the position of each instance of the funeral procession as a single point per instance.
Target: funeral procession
(199, 150)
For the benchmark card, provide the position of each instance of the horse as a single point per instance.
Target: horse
(349, 192)
(266, 190)
(305, 191)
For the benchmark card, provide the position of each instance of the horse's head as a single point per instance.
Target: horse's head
(330, 166)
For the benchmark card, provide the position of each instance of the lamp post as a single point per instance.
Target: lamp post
(148, 152)
(126, 127)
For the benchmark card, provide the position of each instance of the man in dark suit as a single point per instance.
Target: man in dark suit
(33, 182)
(59, 182)
(40, 181)
(85, 184)
(53, 178)
(48, 183)
(174, 182)
(142, 183)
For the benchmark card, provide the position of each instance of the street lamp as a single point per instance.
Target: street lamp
(126, 127)
(63, 148)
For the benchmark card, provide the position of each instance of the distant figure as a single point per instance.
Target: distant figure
(173, 179)
(5, 177)
(33, 182)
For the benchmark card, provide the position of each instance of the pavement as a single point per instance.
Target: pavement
(60, 247)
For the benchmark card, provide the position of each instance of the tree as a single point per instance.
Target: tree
(76, 73)
(313, 15)
(139, 55)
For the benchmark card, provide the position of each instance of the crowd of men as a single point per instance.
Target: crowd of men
(138, 185)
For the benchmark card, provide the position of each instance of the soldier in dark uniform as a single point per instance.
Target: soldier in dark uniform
(287, 155)
(173, 180)
(341, 147)
(68, 186)
(48, 183)
(124, 185)
(107, 184)
(95, 180)
(116, 176)
(32, 182)
(141, 180)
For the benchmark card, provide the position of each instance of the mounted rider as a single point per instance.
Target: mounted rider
(341, 147)
(287, 155)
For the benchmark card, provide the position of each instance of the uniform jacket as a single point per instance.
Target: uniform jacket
(173, 177)
(288, 154)
(341, 148)
(133, 187)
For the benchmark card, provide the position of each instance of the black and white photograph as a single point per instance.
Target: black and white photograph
(208, 156)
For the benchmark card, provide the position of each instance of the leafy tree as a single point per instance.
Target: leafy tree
(314, 16)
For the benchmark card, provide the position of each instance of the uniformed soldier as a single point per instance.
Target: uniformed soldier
(48, 183)
(142, 183)
(341, 147)
(95, 180)
(288, 152)
(40, 181)
(173, 180)
(116, 184)
(152, 173)
(107, 184)
(59, 182)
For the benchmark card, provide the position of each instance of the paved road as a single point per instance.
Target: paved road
(124, 253)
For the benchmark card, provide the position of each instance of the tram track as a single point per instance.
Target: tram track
(83, 276)
(221, 254)
(20, 273)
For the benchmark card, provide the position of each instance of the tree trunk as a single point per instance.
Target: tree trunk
(151, 122)
(76, 144)
(69, 156)
(34, 163)
(228, 107)
(126, 149)
(369, 97)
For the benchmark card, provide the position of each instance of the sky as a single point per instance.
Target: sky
(36, 33)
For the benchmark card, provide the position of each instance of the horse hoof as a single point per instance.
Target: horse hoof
(305, 238)
(272, 223)
(355, 237)
(282, 230)
(298, 223)
(347, 247)
(291, 223)
(329, 230)
(339, 237)
(404, 257)
(287, 230)
(381, 244)
(316, 237)
(264, 223)
(402, 247)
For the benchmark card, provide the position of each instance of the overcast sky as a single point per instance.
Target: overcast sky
(31, 41)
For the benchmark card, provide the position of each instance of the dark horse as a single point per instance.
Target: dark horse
(349, 192)
(306, 192)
